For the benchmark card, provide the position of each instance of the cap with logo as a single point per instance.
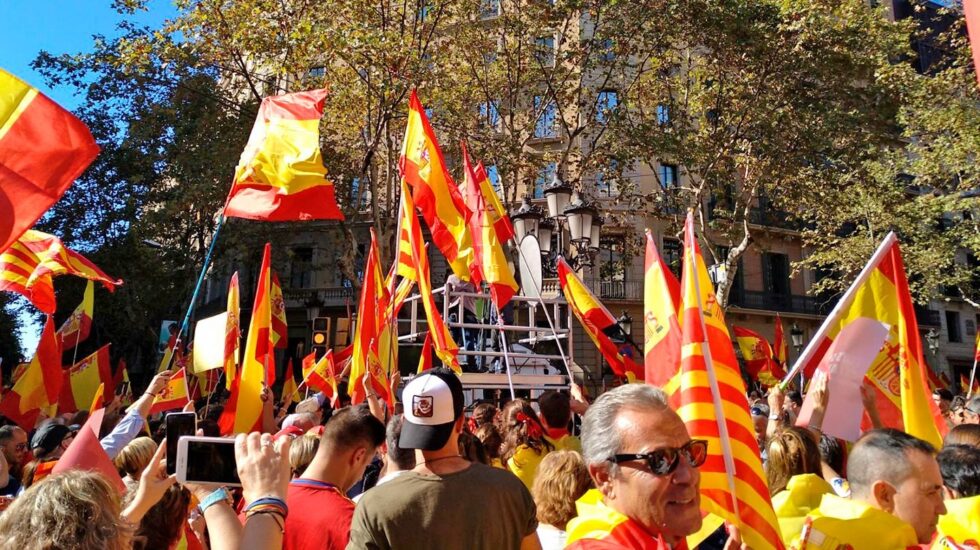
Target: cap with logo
(433, 401)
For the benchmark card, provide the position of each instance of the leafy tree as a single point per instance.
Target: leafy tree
(10, 352)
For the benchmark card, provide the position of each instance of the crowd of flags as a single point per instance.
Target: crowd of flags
(687, 348)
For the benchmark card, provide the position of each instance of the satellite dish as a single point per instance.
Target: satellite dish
(530, 263)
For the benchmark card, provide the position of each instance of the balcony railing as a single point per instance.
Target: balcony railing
(789, 303)
(328, 296)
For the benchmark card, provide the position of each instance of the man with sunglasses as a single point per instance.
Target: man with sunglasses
(644, 465)
(13, 456)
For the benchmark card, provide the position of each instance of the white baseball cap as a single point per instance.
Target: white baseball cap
(433, 401)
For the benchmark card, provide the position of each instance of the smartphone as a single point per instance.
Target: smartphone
(178, 425)
(207, 461)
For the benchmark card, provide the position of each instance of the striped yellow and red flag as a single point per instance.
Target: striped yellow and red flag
(881, 292)
(243, 410)
(661, 328)
(77, 326)
(280, 176)
(434, 191)
(491, 260)
(446, 348)
(370, 318)
(280, 330)
(232, 331)
(756, 350)
(598, 323)
(712, 402)
(174, 395)
(29, 264)
(43, 148)
(41, 383)
(82, 381)
(290, 390)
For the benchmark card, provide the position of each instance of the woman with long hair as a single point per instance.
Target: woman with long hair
(794, 474)
(524, 442)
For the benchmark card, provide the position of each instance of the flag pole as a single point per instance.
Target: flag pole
(503, 346)
(838, 310)
(973, 376)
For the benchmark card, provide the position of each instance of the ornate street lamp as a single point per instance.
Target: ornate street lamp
(580, 216)
(597, 224)
(546, 228)
(526, 219)
(796, 336)
(625, 323)
(558, 194)
(932, 341)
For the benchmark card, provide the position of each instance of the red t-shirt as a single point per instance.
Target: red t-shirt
(319, 516)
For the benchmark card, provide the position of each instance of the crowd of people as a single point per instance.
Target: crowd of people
(435, 473)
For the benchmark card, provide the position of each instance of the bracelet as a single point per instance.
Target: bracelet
(215, 497)
(275, 515)
(773, 417)
(267, 504)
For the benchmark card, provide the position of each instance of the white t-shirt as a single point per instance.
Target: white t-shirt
(551, 537)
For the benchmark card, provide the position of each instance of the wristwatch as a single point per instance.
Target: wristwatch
(215, 497)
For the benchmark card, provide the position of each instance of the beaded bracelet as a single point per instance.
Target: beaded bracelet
(267, 504)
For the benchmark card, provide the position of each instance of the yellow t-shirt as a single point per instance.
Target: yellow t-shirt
(524, 464)
(848, 523)
(567, 442)
(801, 496)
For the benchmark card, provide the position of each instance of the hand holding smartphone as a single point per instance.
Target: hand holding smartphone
(208, 461)
(179, 425)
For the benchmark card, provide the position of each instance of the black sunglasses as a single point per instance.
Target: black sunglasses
(664, 461)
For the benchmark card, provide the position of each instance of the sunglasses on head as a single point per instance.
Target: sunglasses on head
(664, 461)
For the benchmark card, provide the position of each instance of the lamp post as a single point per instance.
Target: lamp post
(932, 341)
(625, 323)
(796, 337)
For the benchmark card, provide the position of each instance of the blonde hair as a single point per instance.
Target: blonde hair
(792, 451)
(72, 510)
(301, 453)
(135, 457)
(561, 479)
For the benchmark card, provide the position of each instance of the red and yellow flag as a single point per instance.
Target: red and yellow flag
(434, 191)
(322, 376)
(40, 384)
(780, 349)
(290, 390)
(976, 348)
(98, 401)
(243, 411)
(28, 266)
(82, 381)
(369, 320)
(379, 378)
(43, 149)
(425, 359)
(661, 328)
(280, 176)
(882, 293)
(756, 351)
(446, 348)
(77, 326)
(232, 331)
(712, 402)
(280, 332)
(598, 323)
(491, 260)
(174, 395)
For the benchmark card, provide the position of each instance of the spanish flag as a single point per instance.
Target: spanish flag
(756, 351)
(232, 331)
(43, 149)
(280, 176)
(29, 264)
(40, 384)
(322, 376)
(243, 411)
(369, 319)
(82, 381)
(434, 191)
(76, 327)
(290, 391)
(661, 329)
(280, 332)
(174, 395)
(711, 401)
(98, 401)
(780, 350)
(881, 292)
(598, 323)
(491, 260)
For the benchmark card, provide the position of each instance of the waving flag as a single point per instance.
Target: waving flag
(290, 391)
(86, 453)
(322, 376)
(280, 332)
(711, 401)
(175, 394)
(425, 358)
(29, 264)
(369, 319)
(232, 331)
(756, 351)
(243, 411)
(280, 176)
(82, 381)
(881, 292)
(434, 190)
(598, 323)
(76, 327)
(43, 149)
(40, 384)
(661, 329)
(780, 349)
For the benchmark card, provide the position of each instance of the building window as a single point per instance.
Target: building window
(546, 175)
(775, 273)
(606, 103)
(673, 252)
(607, 50)
(953, 326)
(301, 268)
(545, 126)
(494, 176)
(668, 176)
(663, 114)
(605, 182)
(317, 72)
(489, 114)
(544, 50)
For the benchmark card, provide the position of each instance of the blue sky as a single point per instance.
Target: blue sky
(59, 26)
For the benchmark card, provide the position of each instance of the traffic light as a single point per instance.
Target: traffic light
(321, 335)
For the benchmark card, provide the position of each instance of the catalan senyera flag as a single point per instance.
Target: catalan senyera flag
(712, 402)
(434, 191)
(77, 326)
(40, 384)
(661, 328)
(598, 323)
(280, 176)
(243, 411)
(491, 260)
(370, 310)
(280, 332)
(43, 149)
(290, 390)
(28, 266)
(756, 350)
(82, 381)
(232, 331)
(882, 294)
(446, 348)
(322, 376)
(174, 395)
